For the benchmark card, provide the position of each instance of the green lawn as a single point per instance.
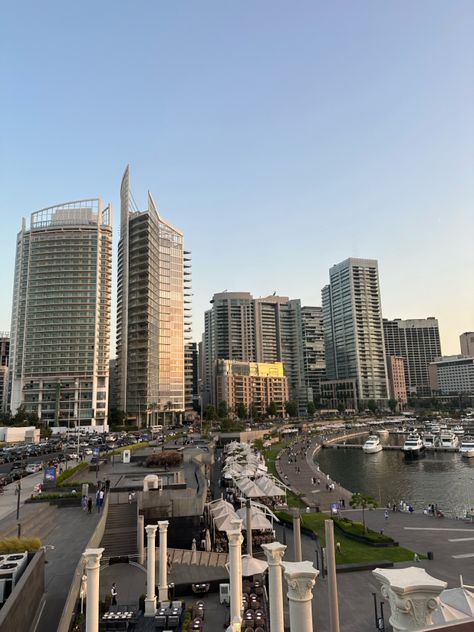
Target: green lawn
(270, 454)
(352, 551)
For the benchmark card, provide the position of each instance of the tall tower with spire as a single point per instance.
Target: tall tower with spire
(150, 312)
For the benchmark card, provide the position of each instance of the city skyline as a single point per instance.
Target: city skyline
(369, 142)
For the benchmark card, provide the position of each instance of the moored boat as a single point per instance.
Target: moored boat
(372, 445)
(448, 440)
(413, 446)
(467, 447)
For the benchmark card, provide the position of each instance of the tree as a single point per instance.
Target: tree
(291, 409)
(117, 417)
(241, 411)
(253, 411)
(363, 501)
(311, 408)
(392, 404)
(372, 406)
(210, 413)
(341, 408)
(272, 409)
(222, 410)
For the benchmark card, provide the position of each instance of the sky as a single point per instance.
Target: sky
(281, 137)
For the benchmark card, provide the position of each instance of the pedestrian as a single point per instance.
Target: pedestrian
(113, 592)
(129, 498)
(101, 496)
(416, 558)
(84, 503)
(89, 505)
(97, 501)
(386, 515)
(338, 547)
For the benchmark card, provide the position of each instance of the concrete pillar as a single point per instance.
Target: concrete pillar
(297, 535)
(163, 570)
(332, 580)
(274, 553)
(92, 558)
(248, 511)
(141, 538)
(150, 601)
(235, 551)
(412, 594)
(300, 577)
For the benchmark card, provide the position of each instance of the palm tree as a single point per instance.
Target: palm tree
(363, 501)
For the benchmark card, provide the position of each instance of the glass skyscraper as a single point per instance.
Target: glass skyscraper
(60, 334)
(150, 312)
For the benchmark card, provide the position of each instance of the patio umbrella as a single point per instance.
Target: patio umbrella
(207, 543)
(258, 519)
(251, 566)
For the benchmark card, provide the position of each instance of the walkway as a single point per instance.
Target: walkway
(297, 469)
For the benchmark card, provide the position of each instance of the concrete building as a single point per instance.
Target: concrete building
(150, 312)
(113, 383)
(247, 383)
(417, 341)
(191, 377)
(353, 334)
(4, 370)
(467, 343)
(339, 393)
(60, 334)
(452, 375)
(396, 380)
(313, 348)
(239, 327)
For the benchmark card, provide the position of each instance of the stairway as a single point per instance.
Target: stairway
(120, 536)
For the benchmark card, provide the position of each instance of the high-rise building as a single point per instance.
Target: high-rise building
(265, 330)
(417, 341)
(4, 370)
(452, 375)
(252, 384)
(353, 333)
(313, 348)
(60, 335)
(396, 380)
(467, 343)
(150, 312)
(191, 376)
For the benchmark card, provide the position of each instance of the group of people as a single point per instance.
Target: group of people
(87, 502)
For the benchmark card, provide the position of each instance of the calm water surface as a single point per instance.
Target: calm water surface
(443, 478)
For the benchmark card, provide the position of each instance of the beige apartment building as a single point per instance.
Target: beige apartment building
(247, 383)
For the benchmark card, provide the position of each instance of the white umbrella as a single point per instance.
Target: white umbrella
(207, 544)
(258, 520)
(251, 566)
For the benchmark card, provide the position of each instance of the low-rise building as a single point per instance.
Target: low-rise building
(251, 383)
(336, 393)
(452, 375)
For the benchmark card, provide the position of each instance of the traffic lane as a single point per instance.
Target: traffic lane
(6, 468)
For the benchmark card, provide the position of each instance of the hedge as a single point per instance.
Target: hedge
(356, 531)
(19, 545)
(51, 496)
(70, 472)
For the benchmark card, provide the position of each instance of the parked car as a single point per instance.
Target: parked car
(32, 468)
(17, 473)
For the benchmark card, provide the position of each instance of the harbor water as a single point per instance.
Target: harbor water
(442, 478)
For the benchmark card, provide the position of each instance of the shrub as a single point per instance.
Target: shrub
(164, 459)
(70, 472)
(52, 496)
(19, 545)
(357, 529)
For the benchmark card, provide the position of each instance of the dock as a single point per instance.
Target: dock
(399, 448)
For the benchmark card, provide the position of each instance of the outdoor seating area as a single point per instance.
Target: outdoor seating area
(254, 607)
(168, 616)
(119, 620)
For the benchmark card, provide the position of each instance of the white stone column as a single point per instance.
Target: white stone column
(332, 578)
(412, 596)
(300, 577)
(141, 538)
(248, 513)
(92, 558)
(235, 563)
(163, 569)
(274, 553)
(297, 535)
(150, 601)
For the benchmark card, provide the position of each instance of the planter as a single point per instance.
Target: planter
(364, 539)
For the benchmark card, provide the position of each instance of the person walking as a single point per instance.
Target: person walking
(113, 592)
(386, 514)
(89, 505)
(130, 498)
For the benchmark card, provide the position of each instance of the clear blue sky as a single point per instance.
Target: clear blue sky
(282, 137)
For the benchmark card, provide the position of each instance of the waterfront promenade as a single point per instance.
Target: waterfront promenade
(296, 468)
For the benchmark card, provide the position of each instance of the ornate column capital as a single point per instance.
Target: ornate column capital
(92, 558)
(234, 535)
(274, 553)
(163, 525)
(300, 577)
(412, 594)
(151, 530)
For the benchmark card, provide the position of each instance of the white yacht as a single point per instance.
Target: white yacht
(467, 447)
(458, 431)
(435, 429)
(372, 445)
(429, 440)
(448, 439)
(383, 432)
(413, 446)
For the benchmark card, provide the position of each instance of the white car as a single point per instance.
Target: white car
(87, 451)
(32, 468)
(73, 456)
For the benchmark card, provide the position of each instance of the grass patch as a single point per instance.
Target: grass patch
(133, 446)
(19, 545)
(67, 474)
(351, 551)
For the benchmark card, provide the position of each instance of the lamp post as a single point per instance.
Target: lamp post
(18, 493)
